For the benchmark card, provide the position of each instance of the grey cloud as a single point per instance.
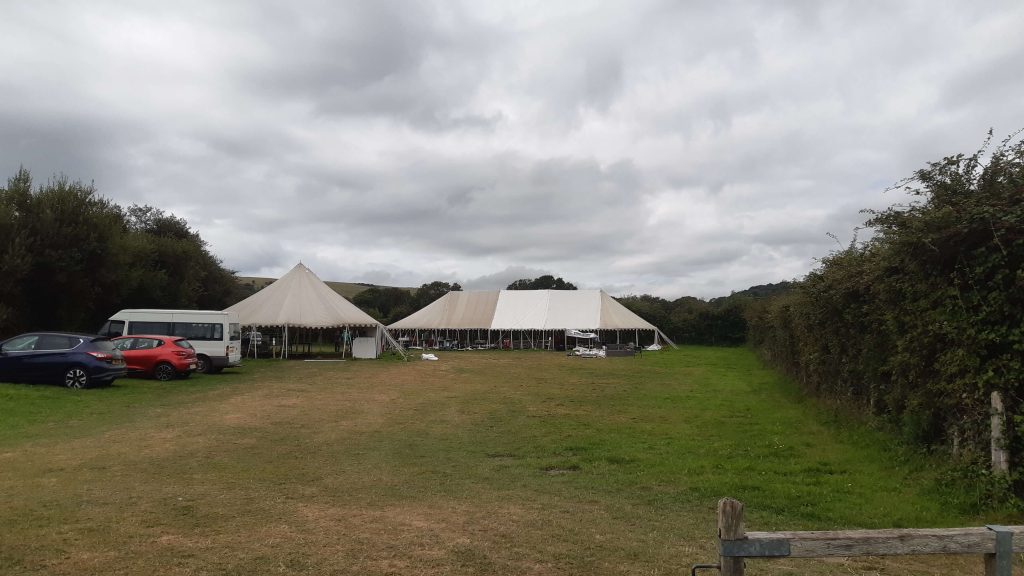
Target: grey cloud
(650, 146)
(499, 206)
(418, 62)
(251, 253)
(503, 278)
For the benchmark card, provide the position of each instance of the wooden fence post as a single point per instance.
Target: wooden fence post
(730, 527)
(1000, 457)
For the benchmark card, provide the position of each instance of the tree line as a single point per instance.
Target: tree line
(715, 322)
(387, 304)
(70, 258)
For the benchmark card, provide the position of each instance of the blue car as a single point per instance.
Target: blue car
(74, 360)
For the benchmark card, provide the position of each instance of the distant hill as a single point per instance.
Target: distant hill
(251, 284)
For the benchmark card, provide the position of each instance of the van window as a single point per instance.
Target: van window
(199, 331)
(236, 331)
(112, 328)
(149, 328)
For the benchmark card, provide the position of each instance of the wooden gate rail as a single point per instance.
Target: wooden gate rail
(996, 543)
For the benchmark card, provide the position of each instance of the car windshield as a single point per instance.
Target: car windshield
(183, 344)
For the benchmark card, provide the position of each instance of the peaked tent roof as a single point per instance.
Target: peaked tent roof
(300, 298)
(454, 310)
(526, 310)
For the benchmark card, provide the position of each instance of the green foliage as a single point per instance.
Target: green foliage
(384, 303)
(391, 304)
(715, 322)
(69, 258)
(921, 323)
(545, 282)
(427, 293)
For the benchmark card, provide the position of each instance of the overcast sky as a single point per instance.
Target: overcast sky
(663, 147)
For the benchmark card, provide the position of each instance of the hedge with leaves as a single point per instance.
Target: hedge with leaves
(921, 323)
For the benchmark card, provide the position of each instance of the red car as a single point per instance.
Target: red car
(162, 357)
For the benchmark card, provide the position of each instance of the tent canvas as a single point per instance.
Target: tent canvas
(456, 310)
(520, 310)
(300, 299)
(526, 310)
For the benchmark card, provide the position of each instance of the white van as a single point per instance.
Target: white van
(216, 335)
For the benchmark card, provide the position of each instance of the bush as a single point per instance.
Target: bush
(919, 324)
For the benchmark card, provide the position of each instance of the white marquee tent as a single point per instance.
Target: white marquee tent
(529, 314)
(300, 299)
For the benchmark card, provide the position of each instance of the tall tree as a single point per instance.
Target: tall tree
(385, 304)
(15, 256)
(176, 265)
(427, 293)
(69, 258)
(74, 271)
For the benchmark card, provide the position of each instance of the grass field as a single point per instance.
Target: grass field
(481, 463)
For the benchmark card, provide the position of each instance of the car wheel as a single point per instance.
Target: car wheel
(203, 364)
(76, 377)
(163, 372)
